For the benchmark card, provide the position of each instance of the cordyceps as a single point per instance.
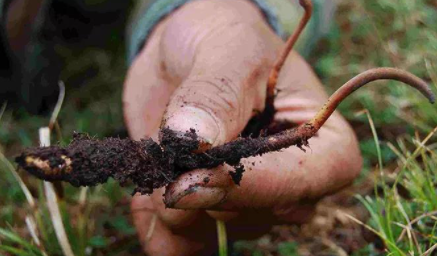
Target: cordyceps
(149, 165)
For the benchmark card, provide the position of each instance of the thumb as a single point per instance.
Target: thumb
(225, 85)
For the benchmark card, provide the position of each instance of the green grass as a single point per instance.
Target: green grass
(366, 34)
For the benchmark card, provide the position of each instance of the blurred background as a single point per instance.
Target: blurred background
(391, 208)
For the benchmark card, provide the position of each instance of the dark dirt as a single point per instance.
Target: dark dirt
(148, 165)
(88, 162)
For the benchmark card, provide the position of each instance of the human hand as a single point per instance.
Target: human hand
(205, 67)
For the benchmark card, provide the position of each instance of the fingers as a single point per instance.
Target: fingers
(223, 68)
(159, 238)
(286, 179)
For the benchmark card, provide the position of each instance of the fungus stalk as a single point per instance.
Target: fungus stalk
(87, 162)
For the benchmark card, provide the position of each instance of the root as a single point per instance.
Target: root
(87, 162)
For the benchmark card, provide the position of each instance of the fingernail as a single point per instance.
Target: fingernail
(196, 197)
(205, 125)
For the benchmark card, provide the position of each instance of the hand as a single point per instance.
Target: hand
(205, 67)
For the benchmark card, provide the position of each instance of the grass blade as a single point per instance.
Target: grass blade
(52, 202)
(222, 238)
(17, 177)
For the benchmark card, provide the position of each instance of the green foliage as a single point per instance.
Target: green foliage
(405, 221)
(287, 249)
(367, 34)
(393, 214)
(14, 244)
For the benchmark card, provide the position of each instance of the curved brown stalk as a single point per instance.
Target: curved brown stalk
(363, 79)
(266, 117)
(87, 161)
(273, 77)
(234, 151)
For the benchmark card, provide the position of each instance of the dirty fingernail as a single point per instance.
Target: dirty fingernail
(196, 197)
(205, 125)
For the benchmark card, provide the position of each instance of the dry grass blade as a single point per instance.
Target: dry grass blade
(425, 215)
(368, 227)
(82, 197)
(416, 153)
(11, 168)
(30, 219)
(409, 226)
(32, 227)
(341, 213)
(334, 247)
(430, 250)
(52, 202)
(58, 106)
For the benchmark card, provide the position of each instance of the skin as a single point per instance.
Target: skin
(19, 16)
(205, 66)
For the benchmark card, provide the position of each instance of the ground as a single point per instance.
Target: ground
(396, 190)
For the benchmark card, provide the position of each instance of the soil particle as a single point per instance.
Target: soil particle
(237, 174)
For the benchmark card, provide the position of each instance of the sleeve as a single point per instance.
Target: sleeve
(282, 15)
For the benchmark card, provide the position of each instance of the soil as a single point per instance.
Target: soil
(88, 162)
(147, 164)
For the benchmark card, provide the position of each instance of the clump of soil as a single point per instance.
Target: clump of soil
(88, 162)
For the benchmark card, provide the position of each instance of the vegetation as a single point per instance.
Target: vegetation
(395, 195)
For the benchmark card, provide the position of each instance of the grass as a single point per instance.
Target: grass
(401, 204)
